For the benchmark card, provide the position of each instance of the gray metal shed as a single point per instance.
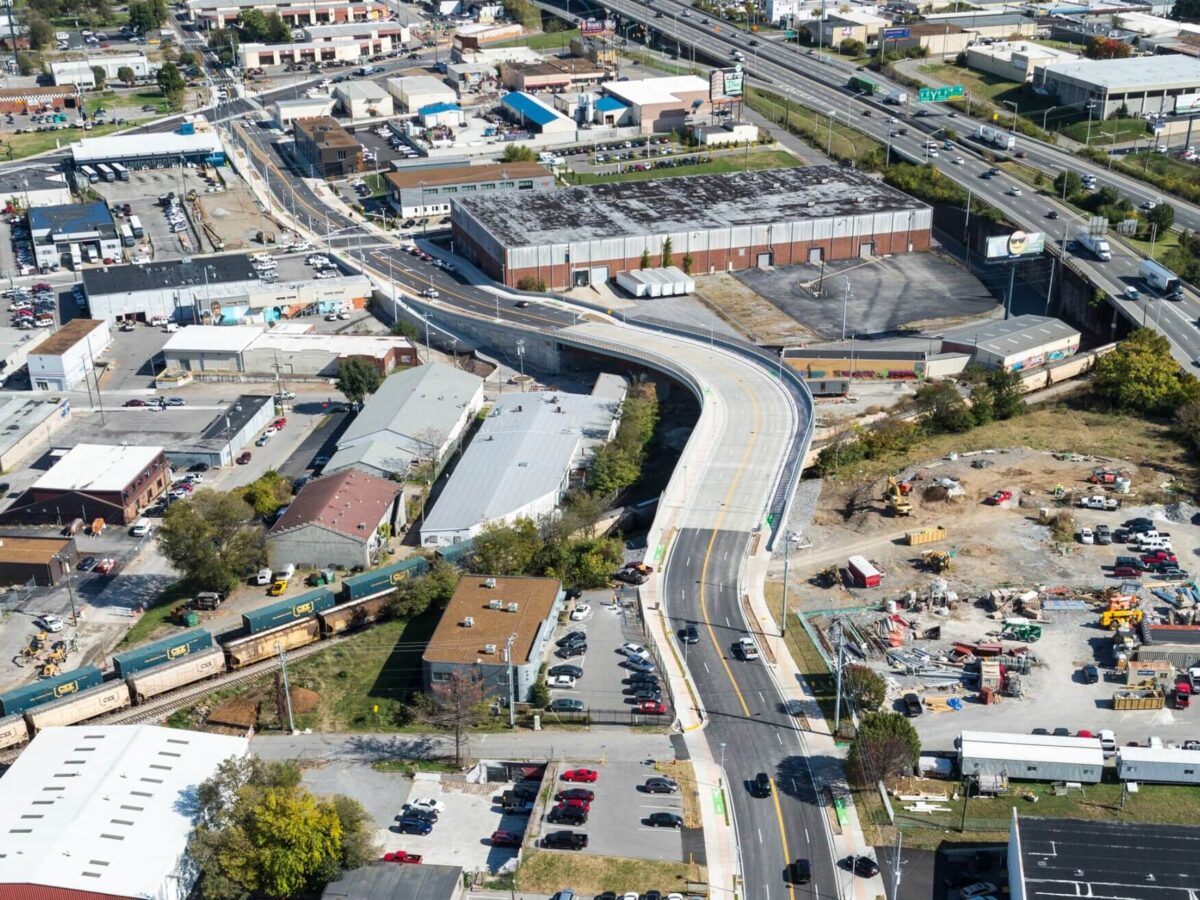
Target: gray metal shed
(1031, 757)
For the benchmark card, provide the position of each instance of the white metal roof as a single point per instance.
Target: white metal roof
(1026, 740)
(1031, 747)
(1158, 755)
(374, 345)
(360, 90)
(1134, 72)
(655, 90)
(212, 339)
(119, 145)
(116, 822)
(97, 467)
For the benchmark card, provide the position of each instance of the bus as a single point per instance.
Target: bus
(89, 173)
(127, 235)
(135, 225)
(120, 171)
(106, 173)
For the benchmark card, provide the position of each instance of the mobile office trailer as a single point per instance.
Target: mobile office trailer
(863, 572)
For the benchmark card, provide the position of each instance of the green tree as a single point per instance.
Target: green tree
(851, 47)
(539, 695)
(187, 58)
(278, 31)
(1142, 377)
(171, 83)
(687, 262)
(1187, 420)
(667, 253)
(501, 549)
(267, 493)
(401, 328)
(142, 18)
(29, 63)
(357, 378)
(418, 595)
(646, 258)
(618, 464)
(457, 705)
(518, 153)
(864, 686)
(1162, 216)
(1186, 10)
(358, 833)
(47, 9)
(99, 75)
(886, 745)
(126, 76)
(211, 538)
(224, 42)
(41, 32)
(942, 408)
(1005, 386)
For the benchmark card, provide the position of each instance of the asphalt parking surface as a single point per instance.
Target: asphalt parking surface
(322, 440)
(886, 293)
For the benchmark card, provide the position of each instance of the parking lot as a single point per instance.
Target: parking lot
(142, 192)
(604, 687)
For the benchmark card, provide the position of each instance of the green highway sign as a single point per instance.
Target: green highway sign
(940, 95)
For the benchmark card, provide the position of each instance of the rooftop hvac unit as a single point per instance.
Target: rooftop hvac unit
(490, 583)
(513, 607)
(469, 622)
(489, 648)
(495, 604)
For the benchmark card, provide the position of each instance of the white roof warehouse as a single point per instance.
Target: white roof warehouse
(102, 810)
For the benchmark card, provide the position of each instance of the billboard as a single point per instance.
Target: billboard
(725, 84)
(1019, 243)
(1187, 103)
(890, 34)
(596, 26)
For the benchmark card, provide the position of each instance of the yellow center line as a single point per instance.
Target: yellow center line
(733, 485)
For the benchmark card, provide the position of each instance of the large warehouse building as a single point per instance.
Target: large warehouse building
(165, 150)
(579, 236)
(1141, 84)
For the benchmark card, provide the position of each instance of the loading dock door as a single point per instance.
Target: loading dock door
(599, 275)
(866, 249)
(815, 255)
(765, 260)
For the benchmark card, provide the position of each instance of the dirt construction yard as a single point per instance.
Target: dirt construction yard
(993, 547)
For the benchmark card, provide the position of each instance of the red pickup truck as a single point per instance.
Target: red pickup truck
(402, 856)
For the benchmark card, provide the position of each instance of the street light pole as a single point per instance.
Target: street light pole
(66, 561)
(521, 360)
(829, 140)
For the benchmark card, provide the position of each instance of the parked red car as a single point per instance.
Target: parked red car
(575, 804)
(402, 856)
(135, 402)
(244, 458)
(999, 497)
(1159, 556)
(652, 708)
(281, 422)
(105, 567)
(587, 776)
(1126, 572)
(505, 839)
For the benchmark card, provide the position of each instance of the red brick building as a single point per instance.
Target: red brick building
(775, 217)
(38, 99)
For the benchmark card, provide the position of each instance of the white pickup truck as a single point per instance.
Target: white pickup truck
(1097, 501)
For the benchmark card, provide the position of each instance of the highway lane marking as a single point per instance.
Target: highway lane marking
(706, 670)
(778, 738)
(759, 830)
(727, 625)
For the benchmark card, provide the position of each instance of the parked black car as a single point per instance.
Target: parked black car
(664, 820)
(565, 840)
(912, 705)
(862, 866)
(570, 651)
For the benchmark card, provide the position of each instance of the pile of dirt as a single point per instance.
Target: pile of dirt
(304, 700)
(238, 712)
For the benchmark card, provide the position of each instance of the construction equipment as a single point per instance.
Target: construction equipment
(829, 577)
(1027, 632)
(58, 654)
(894, 497)
(925, 536)
(1110, 618)
(936, 560)
(1122, 603)
(48, 670)
(1105, 476)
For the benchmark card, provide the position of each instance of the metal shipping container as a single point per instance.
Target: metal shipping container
(20, 699)
(925, 536)
(288, 610)
(193, 667)
(1132, 699)
(268, 643)
(13, 731)
(79, 707)
(377, 581)
(167, 650)
(354, 614)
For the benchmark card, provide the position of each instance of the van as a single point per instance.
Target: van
(286, 574)
(263, 577)
(1108, 742)
(140, 528)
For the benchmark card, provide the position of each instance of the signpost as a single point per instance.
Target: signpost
(940, 95)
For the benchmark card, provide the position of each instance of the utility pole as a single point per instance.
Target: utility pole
(287, 694)
(837, 709)
(787, 555)
(66, 564)
(512, 693)
(896, 866)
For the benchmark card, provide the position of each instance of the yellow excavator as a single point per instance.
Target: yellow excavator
(936, 560)
(894, 497)
(1111, 618)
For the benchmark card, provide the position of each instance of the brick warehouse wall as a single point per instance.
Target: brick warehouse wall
(558, 276)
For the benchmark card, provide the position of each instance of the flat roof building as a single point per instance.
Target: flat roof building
(296, 13)
(229, 432)
(663, 104)
(38, 99)
(1015, 60)
(78, 73)
(481, 617)
(118, 827)
(552, 74)
(53, 230)
(363, 99)
(288, 111)
(1158, 765)
(1022, 342)
(388, 881)
(341, 520)
(416, 91)
(343, 48)
(1031, 757)
(65, 360)
(539, 441)
(1141, 84)
(134, 151)
(42, 560)
(585, 235)
(429, 192)
(422, 413)
(326, 148)
(29, 425)
(94, 481)
(533, 114)
(36, 185)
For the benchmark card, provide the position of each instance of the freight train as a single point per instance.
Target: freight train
(146, 672)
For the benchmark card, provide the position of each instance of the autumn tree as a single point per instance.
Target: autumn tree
(501, 549)
(211, 538)
(885, 745)
(457, 704)
(1142, 377)
(942, 408)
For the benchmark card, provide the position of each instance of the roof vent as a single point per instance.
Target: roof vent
(495, 604)
(860, 199)
(469, 622)
(489, 649)
(513, 607)
(490, 583)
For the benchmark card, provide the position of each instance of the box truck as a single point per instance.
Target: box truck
(1096, 244)
(897, 97)
(997, 137)
(1161, 279)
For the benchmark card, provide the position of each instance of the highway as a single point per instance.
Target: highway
(821, 84)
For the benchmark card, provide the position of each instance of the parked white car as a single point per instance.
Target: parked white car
(429, 804)
(580, 612)
(634, 650)
(1086, 536)
(561, 682)
(48, 622)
